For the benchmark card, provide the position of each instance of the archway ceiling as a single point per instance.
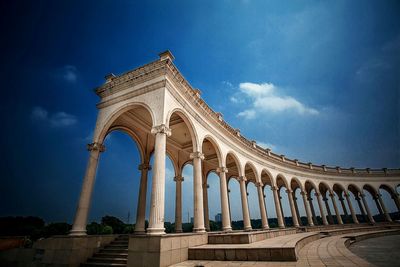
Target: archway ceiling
(180, 138)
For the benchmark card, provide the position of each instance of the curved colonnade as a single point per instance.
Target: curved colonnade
(164, 115)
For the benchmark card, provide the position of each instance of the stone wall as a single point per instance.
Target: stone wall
(162, 250)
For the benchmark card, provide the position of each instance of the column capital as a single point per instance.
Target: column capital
(259, 184)
(96, 147)
(161, 129)
(303, 193)
(144, 166)
(242, 178)
(221, 169)
(179, 178)
(196, 155)
(274, 188)
(289, 191)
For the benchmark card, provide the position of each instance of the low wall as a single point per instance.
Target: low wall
(247, 237)
(162, 250)
(60, 251)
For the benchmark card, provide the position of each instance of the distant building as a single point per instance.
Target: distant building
(218, 217)
(191, 219)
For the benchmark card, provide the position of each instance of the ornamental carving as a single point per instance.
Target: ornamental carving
(222, 169)
(161, 129)
(144, 166)
(196, 155)
(179, 178)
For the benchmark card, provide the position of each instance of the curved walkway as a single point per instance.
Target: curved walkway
(328, 251)
(381, 251)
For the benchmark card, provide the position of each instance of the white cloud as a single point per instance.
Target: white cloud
(58, 119)
(70, 73)
(265, 98)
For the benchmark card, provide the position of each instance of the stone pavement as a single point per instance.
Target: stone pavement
(381, 251)
(328, 251)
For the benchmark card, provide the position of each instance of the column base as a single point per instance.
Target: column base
(199, 230)
(227, 229)
(139, 232)
(77, 233)
(156, 231)
(266, 227)
(248, 229)
(178, 231)
(296, 225)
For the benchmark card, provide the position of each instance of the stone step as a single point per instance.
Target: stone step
(111, 255)
(119, 246)
(108, 260)
(103, 265)
(114, 250)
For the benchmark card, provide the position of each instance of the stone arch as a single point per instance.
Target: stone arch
(370, 189)
(189, 124)
(132, 135)
(309, 186)
(250, 171)
(267, 178)
(295, 183)
(338, 188)
(281, 177)
(230, 160)
(388, 189)
(354, 189)
(323, 188)
(108, 122)
(208, 143)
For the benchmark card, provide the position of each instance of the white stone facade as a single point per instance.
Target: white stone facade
(159, 109)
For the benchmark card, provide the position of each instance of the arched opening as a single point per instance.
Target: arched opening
(124, 172)
(339, 191)
(252, 196)
(266, 179)
(296, 187)
(325, 192)
(355, 196)
(282, 185)
(234, 197)
(312, 195)
(390, 200)
(373, 203)
(180, 145)
(211, 162)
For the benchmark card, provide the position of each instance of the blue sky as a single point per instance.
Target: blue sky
(329, 71)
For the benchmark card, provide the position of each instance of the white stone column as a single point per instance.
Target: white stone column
(353, 213)
(141, 207)
(307, 208)
(279, 216)
(226, 218)
(205, 206)
(328, 210)
(341, 199)
(358, 199)
(178, 203)
(264, 219)
(385, 211)
(297, 209)
(338, 217)
(369, 214)
(321, 208)
(198, 226)
(313, 216)
(82, 212)
(156, 221)
(245, 206)
(292, 208)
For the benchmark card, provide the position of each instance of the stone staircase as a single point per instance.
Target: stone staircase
(114, 254)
